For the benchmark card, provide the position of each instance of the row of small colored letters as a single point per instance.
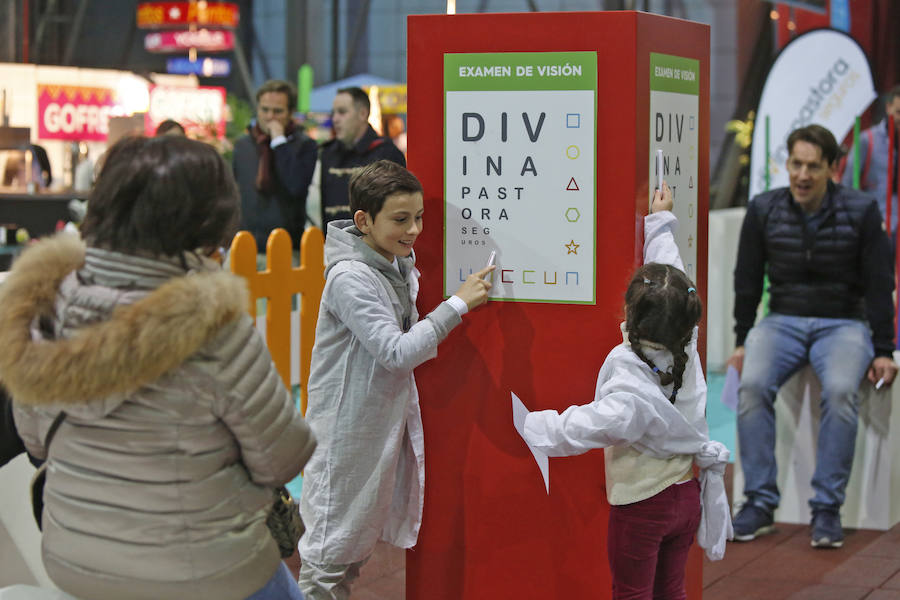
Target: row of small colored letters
(506, 276)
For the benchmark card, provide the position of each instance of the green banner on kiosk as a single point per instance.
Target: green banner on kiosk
(674, 74)
(520, 173)
(521, 71)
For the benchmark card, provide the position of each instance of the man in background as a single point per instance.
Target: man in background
(273, 165)
(873, 158)
(355, 145)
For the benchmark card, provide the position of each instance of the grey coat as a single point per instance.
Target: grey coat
(367, 480)
(177, 428)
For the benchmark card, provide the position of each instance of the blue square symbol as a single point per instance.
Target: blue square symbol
(573, 120)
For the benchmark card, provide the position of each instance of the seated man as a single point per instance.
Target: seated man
(830, 289)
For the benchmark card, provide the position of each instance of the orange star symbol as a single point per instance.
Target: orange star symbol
(572, 247)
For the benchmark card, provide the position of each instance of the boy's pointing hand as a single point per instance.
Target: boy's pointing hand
(474, 290)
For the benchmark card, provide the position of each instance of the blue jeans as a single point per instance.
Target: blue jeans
(280, 587)
(840, 351)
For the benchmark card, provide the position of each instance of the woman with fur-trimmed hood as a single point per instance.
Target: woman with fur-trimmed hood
(177, 424)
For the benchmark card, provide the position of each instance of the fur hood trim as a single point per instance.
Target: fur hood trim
(135, 346)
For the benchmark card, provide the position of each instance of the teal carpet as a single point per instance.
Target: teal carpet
(721, 419)
(296, 485)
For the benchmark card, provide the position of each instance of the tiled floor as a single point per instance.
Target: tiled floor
(780, 566)
(784, 566)
(382, 578)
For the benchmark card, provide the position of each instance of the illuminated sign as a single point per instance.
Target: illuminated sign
(174, 14)
(205, 40)
(200, 110)
(74, 112)
(204, 67)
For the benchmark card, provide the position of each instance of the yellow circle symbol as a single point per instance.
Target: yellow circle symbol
(573, 152)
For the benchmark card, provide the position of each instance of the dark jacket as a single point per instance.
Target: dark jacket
(340, 162)
(294, 163)
(839, 268)
(10, 443)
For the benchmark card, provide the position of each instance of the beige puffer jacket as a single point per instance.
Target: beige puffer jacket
(177, 428)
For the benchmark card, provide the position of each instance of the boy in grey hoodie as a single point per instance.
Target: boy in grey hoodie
(366, 481)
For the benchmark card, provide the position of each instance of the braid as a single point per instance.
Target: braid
(693, 310)
(662, 306)
(680, 358)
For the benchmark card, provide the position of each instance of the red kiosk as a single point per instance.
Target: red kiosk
(536, 136)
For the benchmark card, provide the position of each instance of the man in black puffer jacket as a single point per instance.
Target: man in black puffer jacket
(830, 284)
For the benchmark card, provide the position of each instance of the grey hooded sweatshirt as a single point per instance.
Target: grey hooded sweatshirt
(366, 480)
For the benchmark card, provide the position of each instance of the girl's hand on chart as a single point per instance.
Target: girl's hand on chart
(662, 199)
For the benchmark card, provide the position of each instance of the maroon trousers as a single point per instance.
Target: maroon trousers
(648, 543)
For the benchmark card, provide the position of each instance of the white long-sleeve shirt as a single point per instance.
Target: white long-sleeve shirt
(651, 443)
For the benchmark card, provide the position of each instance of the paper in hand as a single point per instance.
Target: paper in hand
(730, 389)
(519, 413)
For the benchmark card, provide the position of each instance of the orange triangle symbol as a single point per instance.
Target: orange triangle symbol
(572, 187)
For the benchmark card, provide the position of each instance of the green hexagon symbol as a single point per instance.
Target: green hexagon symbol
(572, 215)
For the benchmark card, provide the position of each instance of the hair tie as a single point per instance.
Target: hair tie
(648, 282)
(655, 369)
(691, 290)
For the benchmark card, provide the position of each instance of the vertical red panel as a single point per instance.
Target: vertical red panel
(861, 23)
(490, 530)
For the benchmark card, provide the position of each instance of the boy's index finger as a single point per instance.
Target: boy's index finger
(480, 274)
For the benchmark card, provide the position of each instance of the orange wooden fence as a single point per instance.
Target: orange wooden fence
(278, 284)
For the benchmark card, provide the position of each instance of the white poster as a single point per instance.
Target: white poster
(674, 130)
(821, 77)
(520, 135)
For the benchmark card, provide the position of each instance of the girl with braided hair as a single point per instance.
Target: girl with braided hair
(649, 413)
(662, 308)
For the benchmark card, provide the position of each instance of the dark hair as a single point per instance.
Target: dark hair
(376, 181)
(818, 136)
(282, 87)
(167, 126)
(162, 195)
(359, 96)
(662, 306)
(892, 93)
